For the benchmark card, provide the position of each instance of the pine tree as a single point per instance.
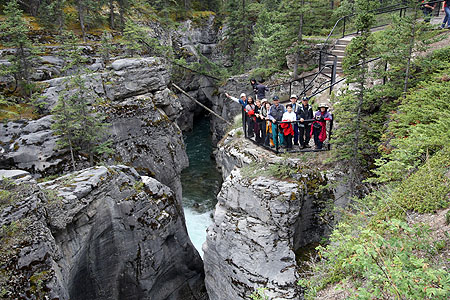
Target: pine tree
(398, 44)
(14, 33)
(52, 15)
(351, 135)
(80, 126)
(238, 34)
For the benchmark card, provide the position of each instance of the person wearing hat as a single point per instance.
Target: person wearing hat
(319, 128)
(276, 115)
(242, 101)
(295, 108)
(305, 112)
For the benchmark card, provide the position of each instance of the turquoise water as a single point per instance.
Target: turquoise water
(201, 182)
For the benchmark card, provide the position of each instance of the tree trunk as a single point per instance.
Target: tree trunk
(121, 13)
(72, 157)
(411, 46)
(80, 9)
(111, 14)
(299, 41)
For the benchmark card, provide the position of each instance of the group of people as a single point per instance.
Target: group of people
(274, 125)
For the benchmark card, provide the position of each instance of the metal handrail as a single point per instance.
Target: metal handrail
(378, 11)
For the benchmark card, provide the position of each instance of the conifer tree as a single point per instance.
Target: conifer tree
(397, 46)
(52, 15)
(238, 34)
(350, 136)
(80, 126)
(14, 33)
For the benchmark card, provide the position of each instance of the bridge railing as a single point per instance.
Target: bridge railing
(261, 134)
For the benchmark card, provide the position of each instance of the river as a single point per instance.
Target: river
(201, 182)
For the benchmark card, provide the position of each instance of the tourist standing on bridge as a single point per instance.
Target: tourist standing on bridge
(276, 115)
(305, 112)
(446, 9)
(288, 131)
(295, 108)
(319, 126)
(250, 116)
(261, 90)
(265, 112)
(260, 125)
(242, 101)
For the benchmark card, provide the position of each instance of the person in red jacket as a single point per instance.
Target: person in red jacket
(319, 128)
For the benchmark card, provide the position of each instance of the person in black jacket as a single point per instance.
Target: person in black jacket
(261, 90)
(304, 112)
(295, 108)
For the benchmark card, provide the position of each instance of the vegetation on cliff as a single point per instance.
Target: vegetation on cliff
(381, 249)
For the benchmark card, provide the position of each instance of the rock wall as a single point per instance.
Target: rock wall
(268, 207)
(100, 233)
(142, 114)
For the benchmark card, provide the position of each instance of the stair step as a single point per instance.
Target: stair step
(338, 63)
(340, 47)
(338, 52)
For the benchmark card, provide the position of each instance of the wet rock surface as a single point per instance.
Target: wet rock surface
(100, 233)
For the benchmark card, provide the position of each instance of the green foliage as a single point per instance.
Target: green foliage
(259, 294)
(137, 40)
(52, 15)
(383, 261)
(106, 46)
(420, 126)
(238, 42)
(427, 189)
(71, 52)
(79, 124)
(270, 40)
(14, 34)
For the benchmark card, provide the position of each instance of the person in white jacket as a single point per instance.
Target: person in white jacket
(288, 131)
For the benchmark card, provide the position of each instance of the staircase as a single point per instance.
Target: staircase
(339, 51)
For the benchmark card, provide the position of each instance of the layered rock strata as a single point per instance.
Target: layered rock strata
(100, 233)
(268, 207)
(140, 109)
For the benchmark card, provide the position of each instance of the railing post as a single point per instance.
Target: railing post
(333, 73)
(244, 121)
(277, 140)
(320, 59)
(385, 70)
(290, 88)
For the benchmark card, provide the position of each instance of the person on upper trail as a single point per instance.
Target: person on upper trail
(261, 90)
(276, 115)
(305, 112)
(295, 108)
(242, 101)
(427, 8)
(288, 131)
(319, 128)
(446, 9)
(254, 84)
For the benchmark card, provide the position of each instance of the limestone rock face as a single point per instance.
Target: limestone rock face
(250, 243)
(141, 111)
(100, 233)
(268, 208)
